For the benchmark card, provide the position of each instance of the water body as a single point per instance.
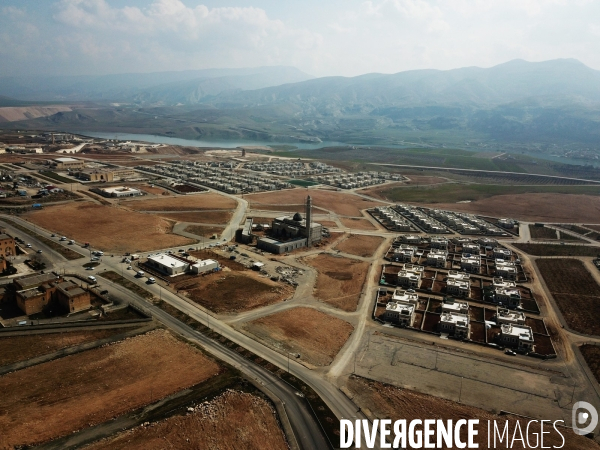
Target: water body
(227, 143)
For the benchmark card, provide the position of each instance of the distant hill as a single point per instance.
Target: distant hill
(160, 87)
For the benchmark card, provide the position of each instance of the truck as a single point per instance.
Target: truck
(134, 257)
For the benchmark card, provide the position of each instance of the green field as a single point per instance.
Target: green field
(455, 192)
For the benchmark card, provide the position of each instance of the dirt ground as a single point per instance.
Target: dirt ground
(575, 291)
(591, 354)
(315, 335)
(206, 200)
(53, 399)
(229, 291)
(389, 402)
(360, 245)
(154, 190)
(111, 229)
(421, 180)
(593, 227)
(533, 207)
(338, 202)
(328, 223)
(339, 280)
(233, 420)
(206, 231)
(216, 217)
(358, 224)
(22, 348)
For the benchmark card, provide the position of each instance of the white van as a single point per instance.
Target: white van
(92, 279)
(139, 274)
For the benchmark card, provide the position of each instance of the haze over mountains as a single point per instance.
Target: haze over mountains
(547, 103)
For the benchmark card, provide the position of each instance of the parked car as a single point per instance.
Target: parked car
(510, 352)
(128, 267)
(89, 268)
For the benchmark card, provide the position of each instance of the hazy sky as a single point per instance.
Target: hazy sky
(321, 37)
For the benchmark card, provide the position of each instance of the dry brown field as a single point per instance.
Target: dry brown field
(532, 207)
(389, 402)
(206, 200)
(360, 245)
(575, 291)
(593, 227)
(233, 420)
(154, 190)
(110, 229)
(230, 291)
(318, 337)
(357, 224)
(338, 202)
(339, 280)
(328, 223)
(202, 230)
(212, 217)
(22, 348)
(53, 399)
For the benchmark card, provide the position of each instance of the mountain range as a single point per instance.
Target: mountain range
(532, 103)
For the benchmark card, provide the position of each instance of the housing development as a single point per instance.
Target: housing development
(168, 289)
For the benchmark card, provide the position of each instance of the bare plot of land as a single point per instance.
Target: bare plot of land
(558, 250)
(575, 291)
(216, 217)
(360, 245)
(358, 224)
(339, 280)
(110, 229)
(205, 231)
(232, 420)
(328, 223)
(385, 401)
(591, 354)
(533, 207)
(542, 233)
(315, 335)
(339, 202)
(594, 227)
(22, 348)
(55, 398)
(228, 292)
(208, 200)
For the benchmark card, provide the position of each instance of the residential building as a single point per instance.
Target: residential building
(502, 253)
(7, 245)
(405, 296)
(412, 239)
(437, 257)
(517, 336)
(399, 313)
(458, 287)
(404, 253)
(471, 247)
(506, 316)
(509, 224)
(510, 297)
(506, 269)
(455, 306)
(438, 242)
(499, 282)
(470, 263)
(410, 276)
(454, 324)
(36, 292)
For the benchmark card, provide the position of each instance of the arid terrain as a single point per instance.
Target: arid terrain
(55, 398)
(532, 207)
(357, 224)
(316, 336)
(231, 421)
(388, 402)
(110, 229)
(339, 280)
(338, 202)
(360, 245)
(203, 201)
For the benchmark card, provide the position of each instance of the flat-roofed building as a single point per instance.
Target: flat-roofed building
(506, 269)
(404, 253)
(68, 163)
(457, 325)
(399, 313)
(470, 263)
(412, 239)
(105, 174)
(410, 276)
(405, 296)
(458, 287)
(117, 192)
(471, 247)
(167, 264)
(502, 253)
(499, 282)
(7, 245)
(517, 336)
(439, 242)
(455, 306)
(510, 297)
(206, 265)
(509, 317)
(437, 257)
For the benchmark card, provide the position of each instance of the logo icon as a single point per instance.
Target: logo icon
(584, 413)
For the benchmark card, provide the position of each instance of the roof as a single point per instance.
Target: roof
(167, 260)
(5, 236)
(35, 280)
(67, 159)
